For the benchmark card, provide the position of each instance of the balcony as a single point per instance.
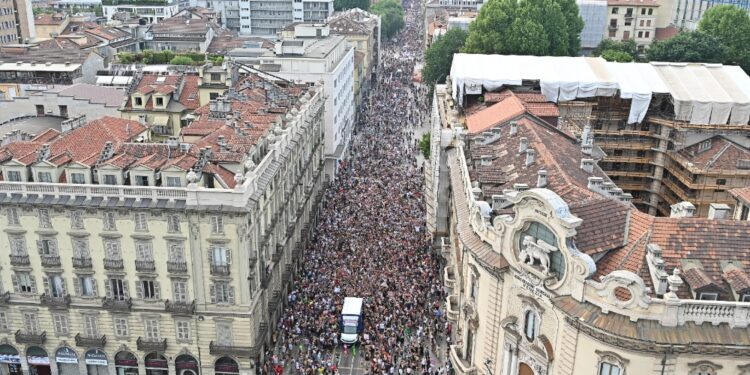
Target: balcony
(161, 130)
(87, 342)
(462, 366)
(180, 308)
(145, 266)
(113, 264)
(50, 301)
(151, 345)
(31, 338)
(220, 269)
(176, 267)
(451, 308)
(239, 351)
(612, 27)
(82, 262)
(449, 277)
(117, 304)
(5, 297)
(265, 279)
(19, 260)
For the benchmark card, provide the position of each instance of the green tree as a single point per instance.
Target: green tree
(181, 60)
(439, 57)
(692, 46)
(98, 10)
(392, 16)
(612, 50)
(424, 145)
(530, 27)
(730, 25)
(351, 4)
(125, 58)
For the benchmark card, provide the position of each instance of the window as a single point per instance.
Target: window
(86, 286)
(222, 292)
(151, 328)
(91, 325)
(556, 260)
(642, 22)
(650, 11)
(61, 323)
(12, 214)
(174, 182)
(176, 251)
(31, 322)
(159, 102)
(54, 285)
(76, 220)
(110, 223)
(18, 245)
(219, 255)
(224, 333)
(606, 368)
(110, 179)
(148, 289)
(121, 326)
(78, 178)
(531, 325)
(640, 34)
(173, 223)
(138, 101)
(183, 329)
(112, 249)
(24, 283)
(14, 176)
(44, 218)
(141, 180)
(474, 288)
(745, 213)
(4, 321)
(708, 296)
(80, 247)
(141, 221)
(63, 110)
(643, 11)
(214, 95)
(647, 34)
(143, 250)
(217, 225)
(179, 290)
(215, 77)
(648, 23)
(721, 181)
(117, 289)
(43, 177)
(47, 246)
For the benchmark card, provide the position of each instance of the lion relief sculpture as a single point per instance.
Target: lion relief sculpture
(533, 251)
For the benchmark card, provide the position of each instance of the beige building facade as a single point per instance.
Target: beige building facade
(172, 264)
(632, 20)
(556, 272)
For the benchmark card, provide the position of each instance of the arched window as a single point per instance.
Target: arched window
(540, 232)
(610, 363)
(531, 325)
(606, 368)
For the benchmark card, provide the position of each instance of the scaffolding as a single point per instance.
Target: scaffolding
(594, 14)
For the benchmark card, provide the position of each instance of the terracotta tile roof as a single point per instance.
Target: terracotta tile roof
(737, 278)
(697, 279)
(50, 19)
(722, 154)
(502, 111)
(507, 105)
(742, 194)
(604, 226)
(189, 97)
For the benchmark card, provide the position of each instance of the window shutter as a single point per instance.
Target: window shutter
(32, 279)
(125, 288)
(39, 247)
(228, 255)
(231, 295)
(93, 287)
(139, 289)
(45, 284)
(108, 288)
(212, 292)
(14, 280)
(63, 288)
(52, 246)
(157, 291)
(77, 285)
(211, 255)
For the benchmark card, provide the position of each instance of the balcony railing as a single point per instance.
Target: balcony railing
(151, 345)
(449, 277)
(220, 269)
(117, 304)
(113, 264)
(19, 260)
(177, 267)
(50, 260)
(82, 262)
(462, 366)
(451, 308)
(87, 342)
(240, 351)
(145, 266)
(31, 338)
(180, 308)
(51, 301)
(5, 297)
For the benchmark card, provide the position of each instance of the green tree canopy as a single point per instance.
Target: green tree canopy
(181, 60)
(730, 25)
(617, 56)
(694, 46)
(392, 16)
(612, 50)
(529, 27)
(351, 4)
(439, 57)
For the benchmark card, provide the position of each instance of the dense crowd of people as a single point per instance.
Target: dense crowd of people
(371, 242)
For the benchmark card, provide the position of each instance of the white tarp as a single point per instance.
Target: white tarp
(701, 93)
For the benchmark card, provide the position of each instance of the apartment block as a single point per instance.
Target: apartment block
(632, 19)
(16, 22)
(125, 256)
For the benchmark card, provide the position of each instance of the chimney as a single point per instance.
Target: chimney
(682, 209)
(587, 149)
(523, 144)
(585, 135)
(499, 201)
(530, 156)
(587, 165)
(607, 186)
(595, 183)
(222, 143)
(513, 128)
(718, 211)
(656, 268)
(615, 192)
(541, 178)
(520, 187)
(626, 197)
(476, 192)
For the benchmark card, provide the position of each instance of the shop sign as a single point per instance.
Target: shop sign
(96, 357)
(66, 355)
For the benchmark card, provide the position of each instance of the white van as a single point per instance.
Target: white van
(352, 320)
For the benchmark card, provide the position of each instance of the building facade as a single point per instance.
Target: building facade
(551, 270)
(632, 19)
(227, 211)
(152, 11)
(16, 22)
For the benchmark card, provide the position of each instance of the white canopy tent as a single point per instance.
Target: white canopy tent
(701, 93)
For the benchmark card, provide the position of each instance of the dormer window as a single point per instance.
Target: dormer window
(173, 182)
(110, 179)
(138, 101)
(43, 177)
(141, 180)
(745, 297)
(705, 145)
(215, 77)
(78, 178)
(160, 102)
(14, 176)
(708, 296)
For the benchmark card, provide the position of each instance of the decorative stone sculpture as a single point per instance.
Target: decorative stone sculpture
(536, 250)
